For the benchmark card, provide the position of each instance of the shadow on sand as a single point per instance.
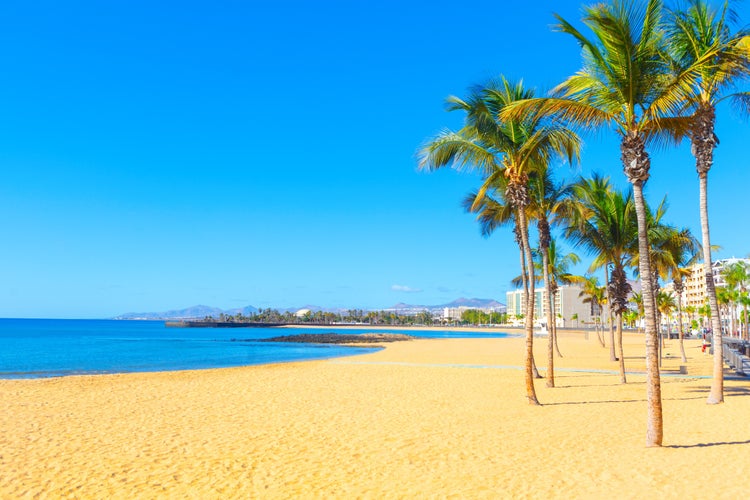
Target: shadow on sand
(731, 391)
(639, 400)
(706, 445)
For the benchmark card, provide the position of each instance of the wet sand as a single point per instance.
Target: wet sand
(419, 419)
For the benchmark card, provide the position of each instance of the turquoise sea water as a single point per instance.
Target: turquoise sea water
(32, 348)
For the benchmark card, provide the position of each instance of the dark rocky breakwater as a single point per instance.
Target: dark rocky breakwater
(338, 338)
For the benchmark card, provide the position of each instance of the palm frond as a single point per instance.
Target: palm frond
(457, 151)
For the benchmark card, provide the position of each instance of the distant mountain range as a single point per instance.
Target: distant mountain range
(194, 312)
(198, 312)
(461, 302)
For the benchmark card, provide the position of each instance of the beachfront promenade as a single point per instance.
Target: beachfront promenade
(420, 419)
(737, 355)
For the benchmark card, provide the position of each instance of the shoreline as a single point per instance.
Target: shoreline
(424, 418)
(309, 349)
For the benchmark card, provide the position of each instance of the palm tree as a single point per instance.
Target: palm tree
(724, 298)
(705, 313)
(684, 250)
(637, 299)
(626, 85)
(557, 269)
(666, 304)
(602, 221)
(630, 316)
(671, 251)
(700, 36)
(745, 302)
(737, 276)
(559, 272)
(493, 212)
(593, 294)
(731, 296)
(510, 148)
(690, 310)
(547, 202)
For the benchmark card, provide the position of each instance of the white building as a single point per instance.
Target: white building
(455, 313)
(570, 308)
(719, 266)
(695, 293)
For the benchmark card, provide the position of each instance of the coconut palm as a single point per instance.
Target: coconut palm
(671, 249)
(684, 250)
(631, 317)
(737, 276)
(504, 147)
(637, 299)
(666, 304)
(691, 312)
(745, 302)
(594, 295)
(559, 272)
(700, 36)
(724, 298)
(493, 212)
(586, 193)
(602, 220)
(548, 200)
(705, 314)
(625, 85)
(728, 296)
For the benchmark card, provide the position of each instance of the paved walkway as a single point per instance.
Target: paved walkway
(517, 367)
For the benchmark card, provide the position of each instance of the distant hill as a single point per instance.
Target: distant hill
(194, 312)
(460, 302)
(307, 306)
(479, 303)
(245, 311)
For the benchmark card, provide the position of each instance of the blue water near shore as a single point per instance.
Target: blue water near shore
(34, 348)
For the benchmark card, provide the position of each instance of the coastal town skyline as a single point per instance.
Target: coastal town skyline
(159, 156)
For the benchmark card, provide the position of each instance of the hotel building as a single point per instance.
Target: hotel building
(695, 293)
(569, 303)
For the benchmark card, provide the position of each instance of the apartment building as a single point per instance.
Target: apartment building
(569, 304)
(695, 293)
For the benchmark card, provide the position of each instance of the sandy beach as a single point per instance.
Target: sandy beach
(419, 419)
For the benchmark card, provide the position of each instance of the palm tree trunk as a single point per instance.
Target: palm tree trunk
(534, 369)
(519, 240)
(543, 248)
(623, 380)
(529, 323)
(612, 355)
(679, 326)
(703, 141)
(554, 325)
(716, 395)
(657, 311)
(600, 328)
(655, 422)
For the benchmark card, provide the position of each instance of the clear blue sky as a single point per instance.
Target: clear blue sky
(157, 155)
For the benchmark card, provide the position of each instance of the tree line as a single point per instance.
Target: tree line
(474, 317)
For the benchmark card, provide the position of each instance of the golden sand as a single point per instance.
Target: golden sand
(420, 419)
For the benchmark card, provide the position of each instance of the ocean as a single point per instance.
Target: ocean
(36, 348)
